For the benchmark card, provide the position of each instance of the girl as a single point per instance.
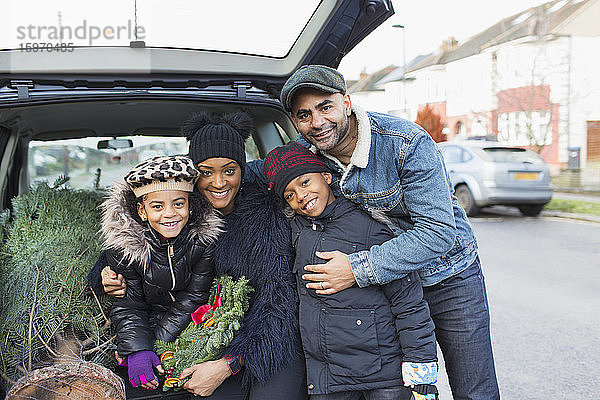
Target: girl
(160, 237)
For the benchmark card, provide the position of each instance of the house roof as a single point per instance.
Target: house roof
(539, 21)
(398, 73)
(368, 83)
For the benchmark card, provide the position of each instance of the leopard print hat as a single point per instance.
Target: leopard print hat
(162, 173)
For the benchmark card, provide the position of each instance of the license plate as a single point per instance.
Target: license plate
(526, 176)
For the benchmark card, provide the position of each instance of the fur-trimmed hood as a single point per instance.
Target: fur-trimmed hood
(125, 232)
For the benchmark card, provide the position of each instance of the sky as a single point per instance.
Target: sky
(427, 23)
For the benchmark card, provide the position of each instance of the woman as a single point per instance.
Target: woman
(256, 244)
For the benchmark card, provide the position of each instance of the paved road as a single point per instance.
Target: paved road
(543, 283)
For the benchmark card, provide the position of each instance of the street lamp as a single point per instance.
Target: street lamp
(404, 110)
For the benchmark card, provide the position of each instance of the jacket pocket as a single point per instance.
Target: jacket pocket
(337, 244)
(351, 341)
(387, 200)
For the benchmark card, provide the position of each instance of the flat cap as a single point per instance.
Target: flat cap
(319, 77)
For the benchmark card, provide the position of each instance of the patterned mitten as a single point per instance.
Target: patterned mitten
(140, 367)
(421, 378)
(414, 373)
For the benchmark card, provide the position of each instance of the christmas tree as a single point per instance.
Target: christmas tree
(49, 242)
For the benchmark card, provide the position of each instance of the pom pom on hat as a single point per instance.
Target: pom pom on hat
(218, 136)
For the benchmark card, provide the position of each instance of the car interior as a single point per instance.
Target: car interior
(72, 138)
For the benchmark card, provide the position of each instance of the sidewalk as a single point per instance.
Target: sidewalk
(578, 181)
(580, 185)
(579, 217)
(581, 196)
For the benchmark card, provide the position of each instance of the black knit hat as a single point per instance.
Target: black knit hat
(285, 163)
(218, 136)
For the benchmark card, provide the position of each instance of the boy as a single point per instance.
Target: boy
(360, 341)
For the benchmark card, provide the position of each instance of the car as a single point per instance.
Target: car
(92, 110)
(486, 173)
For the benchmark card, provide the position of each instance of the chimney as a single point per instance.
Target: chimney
(537, 25)
(448, 45)
(363, 74)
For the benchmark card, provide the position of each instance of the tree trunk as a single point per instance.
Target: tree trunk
(78, 380)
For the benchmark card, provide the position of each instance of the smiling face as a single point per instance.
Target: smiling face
(322, 118)
(220, 181)
(167, 211)
(309, 194)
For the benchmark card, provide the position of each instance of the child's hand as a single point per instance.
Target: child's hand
(421, 376)
(140, 369)
(113, 284)
(415, 373)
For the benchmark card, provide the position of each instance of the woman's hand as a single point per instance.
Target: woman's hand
(206, 377)
(112, 283)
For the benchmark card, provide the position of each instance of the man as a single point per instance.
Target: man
(391, 165)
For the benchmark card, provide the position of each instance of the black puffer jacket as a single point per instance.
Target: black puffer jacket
(352, 339)
(167, 280)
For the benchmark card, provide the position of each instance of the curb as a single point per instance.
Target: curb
(566, 215)
(584, 192)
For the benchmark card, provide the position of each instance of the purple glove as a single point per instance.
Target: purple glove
(140, 367)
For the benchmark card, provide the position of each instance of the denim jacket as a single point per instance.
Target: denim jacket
(397, 169)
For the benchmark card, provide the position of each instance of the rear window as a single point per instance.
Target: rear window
(512, 154)
(262, 27)
(89, 167)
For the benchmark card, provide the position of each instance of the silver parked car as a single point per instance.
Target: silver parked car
(487, 173)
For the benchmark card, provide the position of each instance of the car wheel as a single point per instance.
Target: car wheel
(466, 200)
(531, 210)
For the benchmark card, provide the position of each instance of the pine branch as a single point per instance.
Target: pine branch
(52, 352)
(33, 305)
(7, 378)
(43, 293)
(100, 346)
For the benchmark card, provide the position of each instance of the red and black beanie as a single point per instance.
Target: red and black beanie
(285, 163)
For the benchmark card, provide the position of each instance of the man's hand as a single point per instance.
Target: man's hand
(113, 284)
(333, 276)
(206, 376)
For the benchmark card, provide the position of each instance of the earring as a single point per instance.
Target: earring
(191, 212)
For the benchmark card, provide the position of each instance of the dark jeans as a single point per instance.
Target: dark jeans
(290, 383)
(395, 393)
(459, 309)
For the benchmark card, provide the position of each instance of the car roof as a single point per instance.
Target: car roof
(478, 144)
